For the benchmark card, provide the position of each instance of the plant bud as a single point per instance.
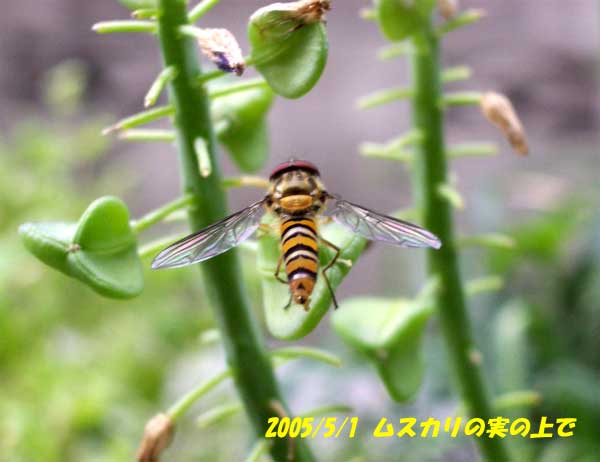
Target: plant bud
(222, 48)
(158, 434)
(448, 8)
(498, 109)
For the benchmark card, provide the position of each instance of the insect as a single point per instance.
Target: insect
(298, 198)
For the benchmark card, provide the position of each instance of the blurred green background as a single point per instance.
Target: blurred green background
(80, 374)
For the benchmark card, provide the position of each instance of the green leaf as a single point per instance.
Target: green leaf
(294, 322)
(388, 332)
(289, 53)
(100, 250)
(240, 119)
(399, 19)
(138, 4)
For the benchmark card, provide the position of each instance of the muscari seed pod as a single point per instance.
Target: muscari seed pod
(158, 434)
(498, 109)
(289, 45)
(304, 11)
(222, 48)
(448, 8)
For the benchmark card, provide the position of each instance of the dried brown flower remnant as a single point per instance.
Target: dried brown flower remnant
(222, 48)
(312, 11)
(498, 109)
(448, 8)
(303, 12)
(158, 434)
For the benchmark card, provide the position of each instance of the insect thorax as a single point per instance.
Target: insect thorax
(296, 192)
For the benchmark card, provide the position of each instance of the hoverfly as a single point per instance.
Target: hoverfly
(298, 198)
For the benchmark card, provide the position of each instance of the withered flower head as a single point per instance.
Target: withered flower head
(158, 434)
(302, 12)
(312, 11)
(222, 48)
(498, 109)
(448, 8)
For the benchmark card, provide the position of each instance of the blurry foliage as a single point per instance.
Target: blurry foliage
(68, 358)
(547, 331)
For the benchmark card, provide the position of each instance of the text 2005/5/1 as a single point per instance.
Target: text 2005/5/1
(494, 427)
(308, 427)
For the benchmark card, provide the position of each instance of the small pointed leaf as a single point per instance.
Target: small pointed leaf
(100, 250)
(288, 52)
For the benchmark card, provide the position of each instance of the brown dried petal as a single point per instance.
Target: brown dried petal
(498, 109)
(222, 48)
(303, 11)
(312, 11)
(448, 8)
(158, 434)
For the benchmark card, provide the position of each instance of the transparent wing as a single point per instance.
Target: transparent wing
(213, 240)
(378, 227)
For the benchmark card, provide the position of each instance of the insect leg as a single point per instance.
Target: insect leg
(278, 269)
(329, 265)
(289, 303)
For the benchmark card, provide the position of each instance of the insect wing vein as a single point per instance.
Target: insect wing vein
(378, 227)
(213, 240)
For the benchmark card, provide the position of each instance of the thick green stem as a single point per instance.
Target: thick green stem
(431, 171)
(246, 355)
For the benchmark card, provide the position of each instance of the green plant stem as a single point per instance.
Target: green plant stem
(247, 358)
(245, 85)
(306, 352)
(382, 97)
(461, 98)
(149, 134)
(463, 19)
(182, 405)
(430, 171)
(161, 213)
(201, 9)
(140, 118)
(111, 27)
(152, 248)
(158, 86)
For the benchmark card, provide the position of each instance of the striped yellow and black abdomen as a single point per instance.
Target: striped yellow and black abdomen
(300, 255)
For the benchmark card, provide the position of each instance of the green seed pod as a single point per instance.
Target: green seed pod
(289, 45)
(100, 250)
(389, 333)
(399, 19)
(241, 126)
